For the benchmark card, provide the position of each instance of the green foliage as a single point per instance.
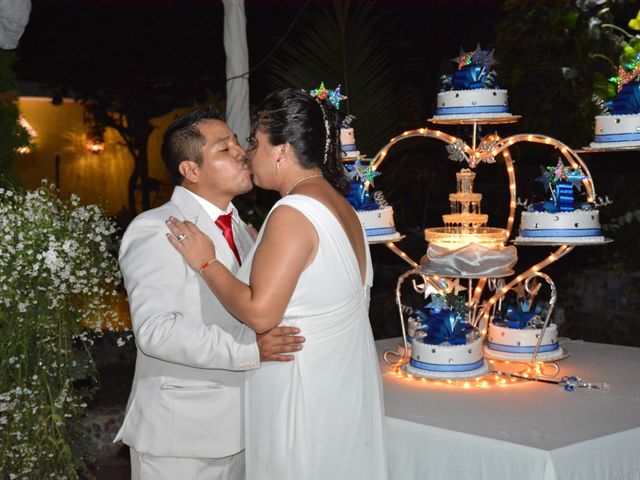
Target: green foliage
(347, 44)
(555, 56)
(12, 134)
(57, 277)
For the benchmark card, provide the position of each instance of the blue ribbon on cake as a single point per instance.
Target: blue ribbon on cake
(471, 77)
(563, 201)
(443, 326)
(359, 197)
(474, 71)
(561, 181)
(518, 315)
(627, 101)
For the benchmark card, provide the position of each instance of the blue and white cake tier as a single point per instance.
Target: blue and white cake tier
(473, 103)
(378, 224)
(617, 131)
(518, 344)
(348, 144)
(446, 361)
(576, 227)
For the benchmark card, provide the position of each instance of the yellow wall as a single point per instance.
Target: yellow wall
(100, 178)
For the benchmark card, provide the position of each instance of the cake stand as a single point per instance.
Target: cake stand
(490, 146)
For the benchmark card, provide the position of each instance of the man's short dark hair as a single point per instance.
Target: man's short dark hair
(183, 141)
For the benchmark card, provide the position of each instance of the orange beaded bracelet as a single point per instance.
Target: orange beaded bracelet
(206, 265)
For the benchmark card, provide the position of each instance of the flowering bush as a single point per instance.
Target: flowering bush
(58, 277)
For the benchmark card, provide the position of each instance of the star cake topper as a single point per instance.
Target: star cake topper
(551, 176)
(484, 58)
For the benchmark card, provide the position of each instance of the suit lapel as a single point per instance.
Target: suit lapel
(193, 211)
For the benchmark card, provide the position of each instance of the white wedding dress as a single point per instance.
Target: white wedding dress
(320, 417)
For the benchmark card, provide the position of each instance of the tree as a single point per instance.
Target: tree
(127, 64)
(554, 56)
(12, 134)
(348, 43)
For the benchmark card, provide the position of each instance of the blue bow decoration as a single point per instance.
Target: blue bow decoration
(442, 326)
(469, 77)
(359, 197)
(564, 197)
(445, 326)
(560, 181)
(563, 200)
(627, 101)
(519, 315)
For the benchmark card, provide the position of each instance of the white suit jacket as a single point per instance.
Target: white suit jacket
(187, 394)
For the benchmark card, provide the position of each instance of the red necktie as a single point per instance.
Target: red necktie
(224, 222)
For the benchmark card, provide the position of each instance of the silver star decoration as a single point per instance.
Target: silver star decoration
(484, 58)
(453, 286)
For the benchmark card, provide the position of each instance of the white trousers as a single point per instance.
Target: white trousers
(148, 467)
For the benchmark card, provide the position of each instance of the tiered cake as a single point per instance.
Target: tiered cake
(621, 126)
(348, 140)
(473, 90)
(443, 343)
(561, 219)
(375, 214)
(516, 329)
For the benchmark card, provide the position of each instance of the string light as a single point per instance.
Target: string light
(493, 380)
(489, 147)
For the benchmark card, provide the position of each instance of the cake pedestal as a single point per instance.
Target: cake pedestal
(480, 311)
(476, 121)
(634, 148)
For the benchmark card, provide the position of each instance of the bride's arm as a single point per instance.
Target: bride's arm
(289, 244)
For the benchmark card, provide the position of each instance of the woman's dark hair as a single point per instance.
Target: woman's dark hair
(183, 141)
(295, 117)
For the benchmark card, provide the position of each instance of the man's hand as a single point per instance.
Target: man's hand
(277, 342)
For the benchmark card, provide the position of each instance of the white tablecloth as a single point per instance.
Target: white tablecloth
(522, 431)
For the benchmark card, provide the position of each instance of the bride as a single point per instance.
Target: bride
(319, 417)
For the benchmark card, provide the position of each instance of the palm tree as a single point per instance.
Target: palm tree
(345, 43)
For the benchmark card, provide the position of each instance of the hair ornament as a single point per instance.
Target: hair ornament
(334, 96)
(321, 94)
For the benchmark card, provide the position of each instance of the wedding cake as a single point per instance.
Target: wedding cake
(620, 127)
(348, 140)
(561, 219)
(473, 90)
(376, 216)
(443, 343)
(516, 330)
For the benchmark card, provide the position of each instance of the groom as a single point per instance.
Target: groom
(184, 418)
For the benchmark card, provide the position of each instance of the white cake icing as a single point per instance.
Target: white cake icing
(442, 361)
(348, 143)
(506, 343)
(378, 224)
(475, 103)
(577, 227)
(615, 131)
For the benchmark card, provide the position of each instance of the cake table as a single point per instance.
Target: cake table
(520, 431)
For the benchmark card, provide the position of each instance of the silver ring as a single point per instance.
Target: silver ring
(181, 237)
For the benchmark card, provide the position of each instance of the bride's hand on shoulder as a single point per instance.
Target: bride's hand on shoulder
(194, 246)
